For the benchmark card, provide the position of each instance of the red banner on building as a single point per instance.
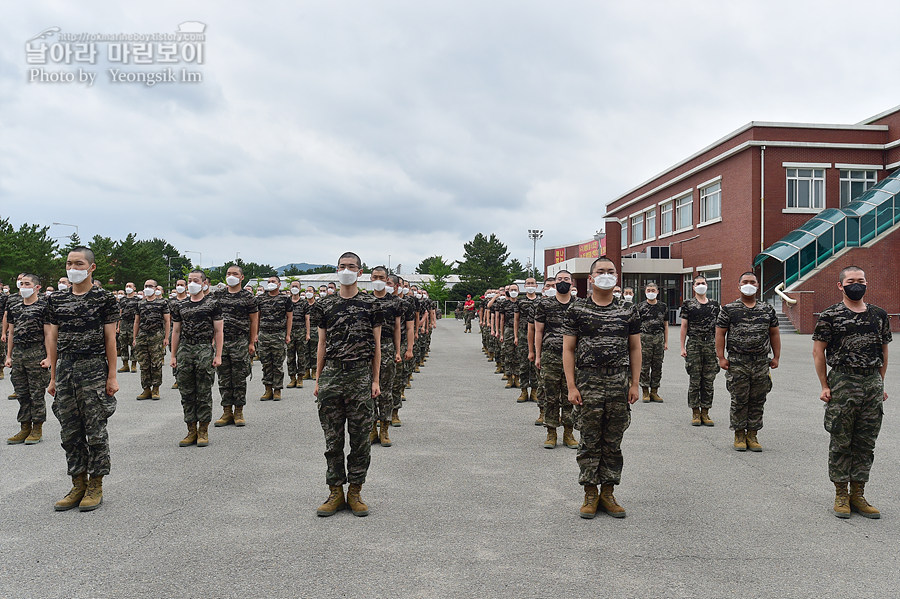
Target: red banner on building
(590, 249)
(559, 255)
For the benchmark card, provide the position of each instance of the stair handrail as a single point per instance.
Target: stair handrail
(779, 289)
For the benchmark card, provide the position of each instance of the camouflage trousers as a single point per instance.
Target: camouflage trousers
(510, 357)
(150, 353)
(401, 375)
(30, 381)
(853, 417)
(296, 353)
(702, 367)
(652, 354)
(384, 403)
(195, 380)
(345, 396)
(312, 348)
(124, 340)
(526, 367)
(271, 351)
(82, 407)
(602, 419)
(233, 372)
(748, 381)
(467, 316)
(557, 409)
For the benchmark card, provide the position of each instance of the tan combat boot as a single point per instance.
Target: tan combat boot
(191, 437)
(695, 419)
(383, 437)
(533, 396)
(540, 418)
(510, 381)
(124, 367)
(859, 504)
(175, 385)
(357, 505)
(299, 382)
(203, 434)
(154, 393)
(550, 442)
(334, 502)
(395, 418)
(308, 374)
(498, 370)
(267, 395)
(227, 417)
(19, 437)
(608, 501)
(239, 416)
(276, 394)
(569, 438)
(841, 500)
(134, 367)
(373, 434)
(147, 394)
(73, 498)
(646, 396)
(704, 417)
(36, 433)
(416, 369)
(654, 396)
(752, 441)
(292, 383)
(93, 497)
(523, 396)
(591, 500)
(740, 440)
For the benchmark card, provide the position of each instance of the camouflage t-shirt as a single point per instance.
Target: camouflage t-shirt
(551, 313)
(508, 311)
(313, 315)
(8, 302)
(197, 319)
(748, 328)
(853, 339)
(526, 311)
(128, 308)
(701, 318)
(27, 321)
(602, 333)
(273, 311)
(236, 310)
(408, 315)
(81, 319)
(300, 309)
(391, 307)
(654, 317)
(349, 325)
(151, 316)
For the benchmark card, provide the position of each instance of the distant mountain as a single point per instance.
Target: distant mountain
(298, 265)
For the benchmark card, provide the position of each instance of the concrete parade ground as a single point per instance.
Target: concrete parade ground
(467, 502)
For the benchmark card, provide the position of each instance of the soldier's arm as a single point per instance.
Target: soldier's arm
(410, 335)
(502, 326)
(137, 321)
(51, 334)
(516, 328)
(720, 347)
(570, 342)
(9, 346)
(634, 355)
(376, 362)
(254, 328)
(775, 339)
(290, 323)
(821, 369)
(884, 352)
(397, 325)
(320, 357)
(109, 336)
(307, 326)
(531, 341)
(538, 339)
(218, 340)
(666, 329)
(167, 326)
(684, 325)
(176, 337)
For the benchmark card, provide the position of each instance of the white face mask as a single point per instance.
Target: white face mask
(418, 296)
(605, 281)
(295, 291)
(651, 295)
(628, 298)
(158, 292)
(194, 288)
(205, 287)
(346, 276)
(26, 292)
(573, 291)
(48, 293)
(322, 294)
(309, 294)
(389, 289)
(330, 291)
(550, 292)
(148, 291)
(531, 290)
(513, 294)
(406, 291)
(120, 295)
(76, 276)
(616, 294)
(140, 296)
(271, 286)
(232, 280)
(700, 289)
(129, 290)
(63, 286)
(180, 288)
(749, 290)
(18, 284)
(379, 285)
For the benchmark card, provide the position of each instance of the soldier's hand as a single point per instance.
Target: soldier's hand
(683, 353)
(165, 343)
(408, 355)
(45, 363)
(723, 363)
(112, 386)
(134, 343)
(516, 342)
(501, 338)
(307, 336)
(575, 397)
(376, 389)
(537, 363)
(251, 349)
(8, 363)
(666, 346)
(826, 394)
(287, 339)
(51, 388)
(634, 392)
(217, 361)
(773, 363)
(531, 356)
(174, 362)
(397, 358)
(885, 396)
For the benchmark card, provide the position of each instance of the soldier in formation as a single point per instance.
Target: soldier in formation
(698, 348)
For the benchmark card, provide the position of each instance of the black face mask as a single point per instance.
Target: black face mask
(855, 291)
(563, 287)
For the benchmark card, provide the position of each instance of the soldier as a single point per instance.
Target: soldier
(127, 311)
(524, 322)
(654, 316)
(63, 284)
(312, 332)
(348, 363)
(240, 329)
(25, 351)
(698, 326)
(617, 294)
(852, 338)
(509, 335)
(81, 355)
(407, 334)
(628, 297)
(393, 311)
(331, 288)
(151, 338)
(749, 329)
(179, 296)
(549, 316)
(10, 300)
(549, 290)
(197, 349)
(276, 318)
(468, 312)
(4, 296)
(602, 361)
(296, 348)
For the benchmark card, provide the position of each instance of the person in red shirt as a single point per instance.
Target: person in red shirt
(469, 312)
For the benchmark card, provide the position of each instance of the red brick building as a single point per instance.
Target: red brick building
(718, 211)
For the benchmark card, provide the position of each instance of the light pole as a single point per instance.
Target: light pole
(534, 235)
(200, 263)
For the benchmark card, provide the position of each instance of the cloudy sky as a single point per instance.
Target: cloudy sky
(404, 128)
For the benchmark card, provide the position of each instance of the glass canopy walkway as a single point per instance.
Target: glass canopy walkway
(829, 232)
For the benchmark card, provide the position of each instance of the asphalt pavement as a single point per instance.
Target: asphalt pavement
(466, 503)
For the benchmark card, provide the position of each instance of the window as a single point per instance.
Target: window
(665, 218)
(711, 202)
(806, 188)
(855, 183)
(637, 229)
(684, 217)
(624, 226)
(650, 223)
(713, 284)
